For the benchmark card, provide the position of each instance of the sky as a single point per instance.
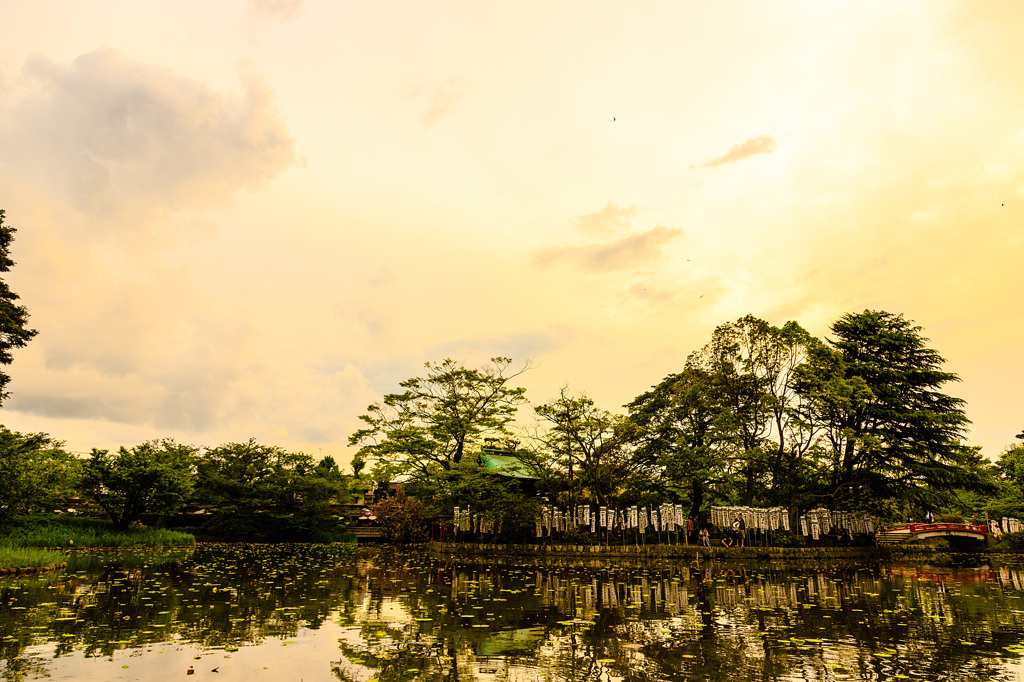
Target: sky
(253, 218)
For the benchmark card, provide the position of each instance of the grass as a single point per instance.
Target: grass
(45, 530)
(28, 557)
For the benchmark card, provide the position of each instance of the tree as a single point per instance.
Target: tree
(153, 478)
(438, 418)
(677, 424)
(751, 365)
(1009, 473)
(472, 486)
(36, 473)
(580, 444)
(13, 317)
(264, 492)
(891, 432)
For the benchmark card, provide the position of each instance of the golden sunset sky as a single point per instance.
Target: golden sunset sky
(253, 218)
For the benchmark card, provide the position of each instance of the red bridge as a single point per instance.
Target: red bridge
(909, 532)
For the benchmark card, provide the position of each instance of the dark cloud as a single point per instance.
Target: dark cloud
(608, 220)
(762, 144)
(629, 252)
(45, 404)
(116, 137)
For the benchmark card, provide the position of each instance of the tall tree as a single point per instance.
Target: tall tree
(875, 389)
(438, 418)
(751, 365)
(678, 425)
(580, 443)
(731, 360)
(14, 332)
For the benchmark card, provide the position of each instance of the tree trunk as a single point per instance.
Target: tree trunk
(696, 496)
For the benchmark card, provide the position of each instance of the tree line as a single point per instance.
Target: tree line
(234, 491)
(760, 416)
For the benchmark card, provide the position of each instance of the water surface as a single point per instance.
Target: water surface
(273, 612)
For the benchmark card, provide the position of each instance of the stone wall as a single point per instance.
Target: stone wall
(585, 553)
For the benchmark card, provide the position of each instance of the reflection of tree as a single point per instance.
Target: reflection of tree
(224, 596)
(406, 613)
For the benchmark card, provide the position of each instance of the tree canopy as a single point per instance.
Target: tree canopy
(153, 477)
(263, 492)
(875, 390)
(36, 473)
(14, 330)
(438, 418)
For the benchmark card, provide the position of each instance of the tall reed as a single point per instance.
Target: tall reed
(66, 531)
(28, 557)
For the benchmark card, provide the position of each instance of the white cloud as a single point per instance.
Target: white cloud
(114, 137)
(632, 251)
(609, 219)
(762, 144)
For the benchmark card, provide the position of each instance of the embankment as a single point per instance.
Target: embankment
(597, 555)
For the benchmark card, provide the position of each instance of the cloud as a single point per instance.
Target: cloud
(268, 11)
(645, 293)
(440, 102)
(114, 137)
(608, 220)
(762, 144)
(629, 252)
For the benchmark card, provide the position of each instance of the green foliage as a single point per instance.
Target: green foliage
(28, 557)
(152, 478)
(770, 416)
(675, 425)
(892, 433)
(438, 418)
(1008, 473)
(263, 492)
(51, 530)
(402, 519)
(14, 332)
(1010, 466)
(781, 538)
(1013, 542)
(581, 449)
(468, 485)
(35, 473)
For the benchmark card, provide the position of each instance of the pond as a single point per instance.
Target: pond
(300, 612)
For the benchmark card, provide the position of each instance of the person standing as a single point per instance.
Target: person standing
(741, 530)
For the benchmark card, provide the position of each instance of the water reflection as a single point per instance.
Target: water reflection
(319, 613)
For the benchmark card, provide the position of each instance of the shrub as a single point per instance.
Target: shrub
(401, 519)
(1014, 542)
(781, 538)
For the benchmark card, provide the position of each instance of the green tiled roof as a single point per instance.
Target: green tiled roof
(505, 465)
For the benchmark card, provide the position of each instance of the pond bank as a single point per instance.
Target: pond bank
(577, 554)
(29, 560)
(32, 570)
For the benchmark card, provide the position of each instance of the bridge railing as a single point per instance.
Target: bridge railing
(923, 527)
